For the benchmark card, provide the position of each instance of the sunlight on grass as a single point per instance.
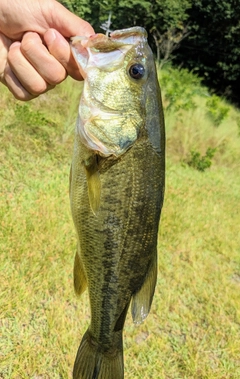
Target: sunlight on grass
(190, 124)
(193, 330)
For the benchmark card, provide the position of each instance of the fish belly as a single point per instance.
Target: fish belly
(117, 245)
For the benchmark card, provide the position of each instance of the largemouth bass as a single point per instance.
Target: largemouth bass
(116, 191)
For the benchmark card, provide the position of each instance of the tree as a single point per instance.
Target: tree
(80, 7)
(163, 19)
(205, 31)
(212, 48)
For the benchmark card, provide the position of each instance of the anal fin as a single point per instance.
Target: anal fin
(142, 299)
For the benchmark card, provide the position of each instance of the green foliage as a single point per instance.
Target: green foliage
(172, 13)
(201, 162)
(216, 110)
(238, 124)
(126, 13)
(80, 7)
(189, 122)
(164, 20)
(213, 44)
(180, 87)
(206, 31)
(26, 116)
(31, 121)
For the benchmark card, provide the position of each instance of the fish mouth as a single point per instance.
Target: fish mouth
(131, 35)
(87, 50)
(102, 42)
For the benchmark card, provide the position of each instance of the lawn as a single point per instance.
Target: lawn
(193, 330)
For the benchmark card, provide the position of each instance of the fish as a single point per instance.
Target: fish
(117, 184)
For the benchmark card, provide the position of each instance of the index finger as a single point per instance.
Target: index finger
(59, 47)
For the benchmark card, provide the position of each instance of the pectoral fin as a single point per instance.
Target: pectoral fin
(80, 281)
(94, 184)
(142, 300)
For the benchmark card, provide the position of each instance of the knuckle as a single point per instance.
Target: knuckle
(27, 47)
(38, 88)
(13, 54)
(29, 43)
(57, 77)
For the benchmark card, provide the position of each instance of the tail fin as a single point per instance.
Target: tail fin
(93, 363)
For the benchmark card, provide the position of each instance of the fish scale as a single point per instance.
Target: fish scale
(116, 201)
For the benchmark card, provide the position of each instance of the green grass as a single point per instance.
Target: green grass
(193, 330)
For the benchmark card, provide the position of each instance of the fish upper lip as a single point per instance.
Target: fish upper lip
(124, 33)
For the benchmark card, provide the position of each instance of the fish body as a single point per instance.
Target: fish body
(116, 191)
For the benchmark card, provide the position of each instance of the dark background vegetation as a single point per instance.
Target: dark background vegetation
(201, 35)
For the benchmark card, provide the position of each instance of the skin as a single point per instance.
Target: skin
(34, 50)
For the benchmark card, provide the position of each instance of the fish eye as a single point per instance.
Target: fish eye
(137, 71)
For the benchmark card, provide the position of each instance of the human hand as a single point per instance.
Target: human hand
(34, 55)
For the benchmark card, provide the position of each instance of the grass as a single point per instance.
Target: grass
(193, 330)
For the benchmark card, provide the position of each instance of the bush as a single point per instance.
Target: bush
(25, 115)
(216, 110)
(199, 162)
(179, 86)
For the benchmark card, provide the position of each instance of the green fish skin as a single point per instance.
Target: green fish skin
(116, 191)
